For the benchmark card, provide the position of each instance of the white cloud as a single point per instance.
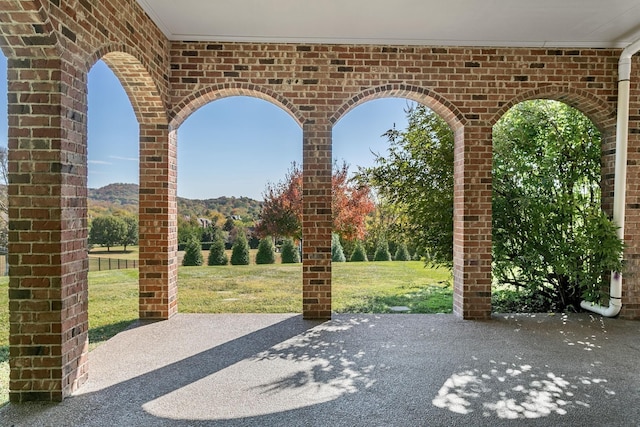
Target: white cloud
(129, 159)
(98, 162)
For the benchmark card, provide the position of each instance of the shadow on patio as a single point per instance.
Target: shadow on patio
(280, 370)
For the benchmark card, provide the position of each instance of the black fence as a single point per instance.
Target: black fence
(100, 264)
(95, 264)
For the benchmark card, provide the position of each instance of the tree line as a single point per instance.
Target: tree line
(552, 241)
(113, 230)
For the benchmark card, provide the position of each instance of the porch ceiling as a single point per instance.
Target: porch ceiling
(518, 23)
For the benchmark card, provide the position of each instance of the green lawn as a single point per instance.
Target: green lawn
(371, 287)
(114, 252)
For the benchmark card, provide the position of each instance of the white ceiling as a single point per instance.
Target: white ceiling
(527, 23)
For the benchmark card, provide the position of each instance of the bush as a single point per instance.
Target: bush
(240, 250)
(217, 254)
(192, 253)
(337, 254)
(266, 252)
(510, 300)
(290, 254)
(402, 253)
(382, 251)
(359, 254)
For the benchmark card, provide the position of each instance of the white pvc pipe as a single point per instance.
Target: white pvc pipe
(620, 181)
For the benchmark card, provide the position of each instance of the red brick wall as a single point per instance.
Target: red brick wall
(470, 87)
(51, 45)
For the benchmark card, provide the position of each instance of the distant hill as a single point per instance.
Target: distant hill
(227, 206)
(120, 196)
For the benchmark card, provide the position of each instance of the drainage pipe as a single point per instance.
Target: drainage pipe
(619, 192)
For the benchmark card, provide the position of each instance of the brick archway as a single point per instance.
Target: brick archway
(136, 81)
(599, 112)
(603, 116)
(157, 201)
(429, 98)
(471, 301)
(192, 103)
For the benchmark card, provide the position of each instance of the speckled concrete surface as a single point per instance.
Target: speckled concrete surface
(357, 370)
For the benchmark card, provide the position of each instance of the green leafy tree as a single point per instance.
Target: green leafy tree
(337, 254)
(359, 253)
(240, 250)
(107, 231)
(188, 228)
(551, 237)
(131, 236)
(382, 251)
(266, 252)
(217, 253)
(415, 177)
(193, 253)
(402, 253)
(289, 252)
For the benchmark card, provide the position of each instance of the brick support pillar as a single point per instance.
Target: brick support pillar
(316, 222)
(472, 223)
(158, 222)
(631, 273)
(48, 230)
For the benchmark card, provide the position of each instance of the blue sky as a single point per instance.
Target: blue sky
(230, 147)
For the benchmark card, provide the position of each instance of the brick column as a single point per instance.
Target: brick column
(316, 222)
(48, 230)
(158, 222)
(631, 273)
(472, 223)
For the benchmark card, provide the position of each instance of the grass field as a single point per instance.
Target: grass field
(371, 287)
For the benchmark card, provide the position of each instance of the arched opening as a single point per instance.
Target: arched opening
(552, 239)
(384, 141)
(230, 152)
(113, 180)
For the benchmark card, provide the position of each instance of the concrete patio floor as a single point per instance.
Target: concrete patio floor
(357, 370)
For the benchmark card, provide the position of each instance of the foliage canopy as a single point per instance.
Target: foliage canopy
(551, 239)
(108, 231)
(550, 235)
(415, 178)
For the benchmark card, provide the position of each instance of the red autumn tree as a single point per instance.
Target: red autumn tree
(282, 208)
(351, 203)
(281, 214)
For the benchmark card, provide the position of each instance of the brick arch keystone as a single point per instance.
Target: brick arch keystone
(601, 113)
(441, 106)
(127, 64)
(198, 99)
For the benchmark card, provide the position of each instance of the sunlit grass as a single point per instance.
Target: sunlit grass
(274, 288)
(375, 287)
(372, 287)
(114, 252)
